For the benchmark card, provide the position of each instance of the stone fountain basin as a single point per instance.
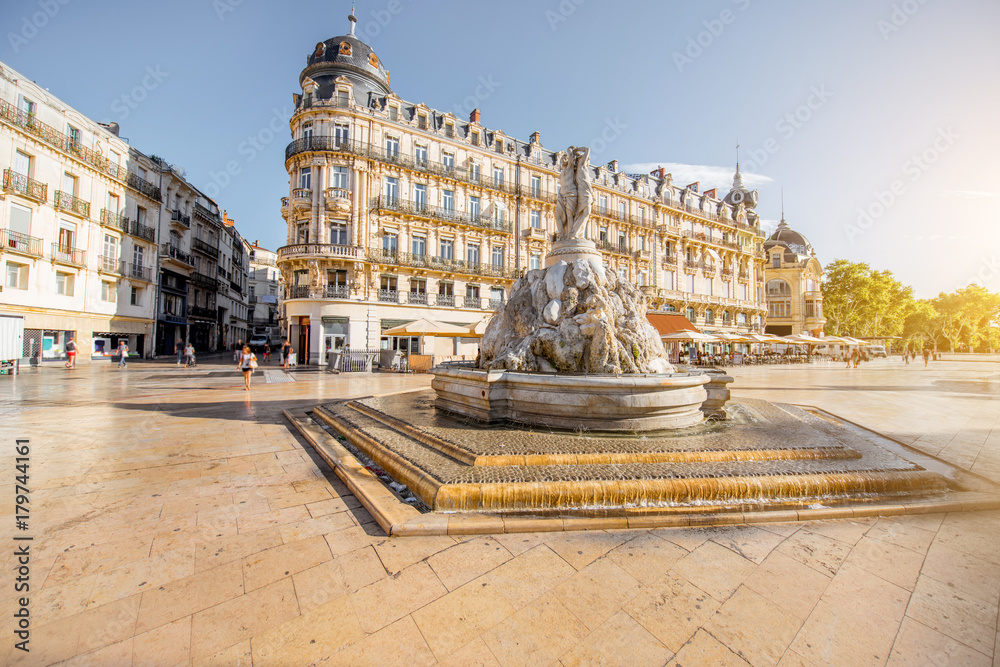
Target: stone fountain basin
(626, 403)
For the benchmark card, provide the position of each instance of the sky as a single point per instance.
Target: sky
(876, 120)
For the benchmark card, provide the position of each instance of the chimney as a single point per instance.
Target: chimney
(693, 187)
(475, 116)
(113, 128)
(535, 138)
(613, 166)
(659, 172)
(713, 193)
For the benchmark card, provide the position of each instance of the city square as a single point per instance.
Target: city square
(695, 361)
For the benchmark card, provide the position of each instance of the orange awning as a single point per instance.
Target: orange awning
(670, 323)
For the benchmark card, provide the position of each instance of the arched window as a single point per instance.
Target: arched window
(778, 287)
(690, 313)
(726, 318)
(709, 316)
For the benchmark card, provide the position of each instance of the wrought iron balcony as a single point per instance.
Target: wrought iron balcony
(65, 254)
(670, 261)
(143, 186)
(114, 220)
(441, 264)
(727, 273)
(323, 249)
(20, 243)
(202, 312)
(416, 209)
(179, 218)
(142, 231)
(170, 251)
(205, 248)
(236, 287)
(205, 213)
(337, 292)
(22, 185)
(538, 193)
(139, 272)
(744, 275)
(110, 265)
(204, 280)
(298, 292)
(617, 248)
(67, 202)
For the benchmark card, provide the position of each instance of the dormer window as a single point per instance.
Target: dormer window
(422, 121)
(393, 112)
(345, 48)
(475, 138)
(449, 130)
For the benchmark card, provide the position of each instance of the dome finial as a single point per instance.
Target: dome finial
(352, 18)
(782, 224)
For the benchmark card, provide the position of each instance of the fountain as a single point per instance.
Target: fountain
(573, 418)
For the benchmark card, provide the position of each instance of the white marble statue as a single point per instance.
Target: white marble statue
(575, 194)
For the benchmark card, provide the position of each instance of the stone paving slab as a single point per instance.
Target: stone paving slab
(121, 465)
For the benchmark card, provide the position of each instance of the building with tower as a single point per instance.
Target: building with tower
(793, 276)
(397, 211)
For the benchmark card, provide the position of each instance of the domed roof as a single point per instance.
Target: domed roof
(790, 239)
(347, 56)
(738, 194)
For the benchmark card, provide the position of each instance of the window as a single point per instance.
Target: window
(776, 261)
(621, 210)
(67, 235)
(604, 204)
(419, 245)
(471, 292)
(474, 207)
(302, 232)
(622, 273)
(420, 155)
(17, 275)
(449, 129)
(69, 184)
(472, 253)
(535, 261)
(708, 286)
(498, 176)
(393, 112)
(447, 248)
(64, 283)
(499, 213)
(109, 291)
(497, 256)
(642, 216)
(496, 295)
(726, 289)
(73, 137)
(668, 280)
(341, 133)
(709, 316)
(338, 233)
(690, 283)
(138, 256)
(388, 284)
(448, 200)
(602, 234)
(475, 138)
(20, 225)
(689, 313)
(390, 243)
(307, 131)
(391, 189)
(536, 186)
(475, 173)
(26, 105)
(135, 298)
(23, 163)
(110, 247)
(743, 292)
(422, 121)
(338, 177)
(622, 241)
(140, 215)
(305, 178)
(536, 219)
(392, 147)
(448, 159)
(420, 196)
(778, 287)
(642, 278)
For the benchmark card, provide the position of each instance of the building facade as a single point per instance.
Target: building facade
(77, 227)
(264, 283)
(793, 276)
(234, 277)
(397, 211)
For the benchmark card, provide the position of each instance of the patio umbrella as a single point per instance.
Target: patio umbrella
(690, 336)
(477, 329)
(425, 327)
(735, 338)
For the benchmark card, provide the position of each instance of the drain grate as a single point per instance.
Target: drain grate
(276, 377)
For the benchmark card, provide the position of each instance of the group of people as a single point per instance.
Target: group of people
(246, 360)
(909, 355)
(184, 353)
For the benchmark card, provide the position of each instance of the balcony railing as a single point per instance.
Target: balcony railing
(21, 184)
(617, 248)
(324, 249)
(202, 312)
(416, 209)
(538, 193)
(110, 264)
(173, 252)
(64, 254)
(114, 220)
(20, 243)
(67, 202)
(179, 218)
(298, 292)
(302, 196)
(236, 287)
(139, 272)
(441, 264)
(205, 213)
(143, 186)
(337, 292)
(437, 300)
(337, 193)
(203, 247)
(670, 261)
(142, 231)
(204, 280)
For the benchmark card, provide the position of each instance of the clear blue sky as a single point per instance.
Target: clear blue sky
(838, 103)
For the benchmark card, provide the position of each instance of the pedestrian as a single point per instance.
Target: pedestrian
(285, 351)
(856, 357)
(71, 353)
(189, 355)
(267, 352)
(238, 349)
(179, 350)
(247, 362)
(927, 356)
(123, 354)
(288, 357)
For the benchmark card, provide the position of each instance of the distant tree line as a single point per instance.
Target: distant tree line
(858, 301)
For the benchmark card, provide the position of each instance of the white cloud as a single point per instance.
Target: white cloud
(768, 226)
(974, 194)
(707, 175)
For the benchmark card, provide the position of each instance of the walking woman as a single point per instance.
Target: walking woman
(248, 361)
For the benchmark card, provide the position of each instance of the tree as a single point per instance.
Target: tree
(922, 325)
(862, 302)
(966, 315)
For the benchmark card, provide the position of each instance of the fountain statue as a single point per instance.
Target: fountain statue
(571, 318)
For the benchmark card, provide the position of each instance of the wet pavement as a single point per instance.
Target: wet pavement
(177, 519)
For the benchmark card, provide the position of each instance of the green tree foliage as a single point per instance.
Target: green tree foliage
(967, 317)
(860, 302)
(922, 326)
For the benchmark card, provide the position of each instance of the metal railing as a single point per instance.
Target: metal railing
(438, 300)
(204, 280)
(670, 260)
(608, 246)
(22, 243)
(175, 253)
(21, 184)
(382, 203)
(298, 292)
(65, 254)
(236, 287)
(202, 312)
(205, 213)
(142, 231)
(327, 249)
(442, 264)
(180, 218)
(206, 248)
(337, 292)
(110, 264)
(114, 220)
(139, 272)
(67, 202)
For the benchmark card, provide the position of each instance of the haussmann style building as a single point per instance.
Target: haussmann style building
(794, 276)
(397, 211)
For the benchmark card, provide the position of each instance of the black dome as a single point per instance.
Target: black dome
(347, 56)
(790, 239)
